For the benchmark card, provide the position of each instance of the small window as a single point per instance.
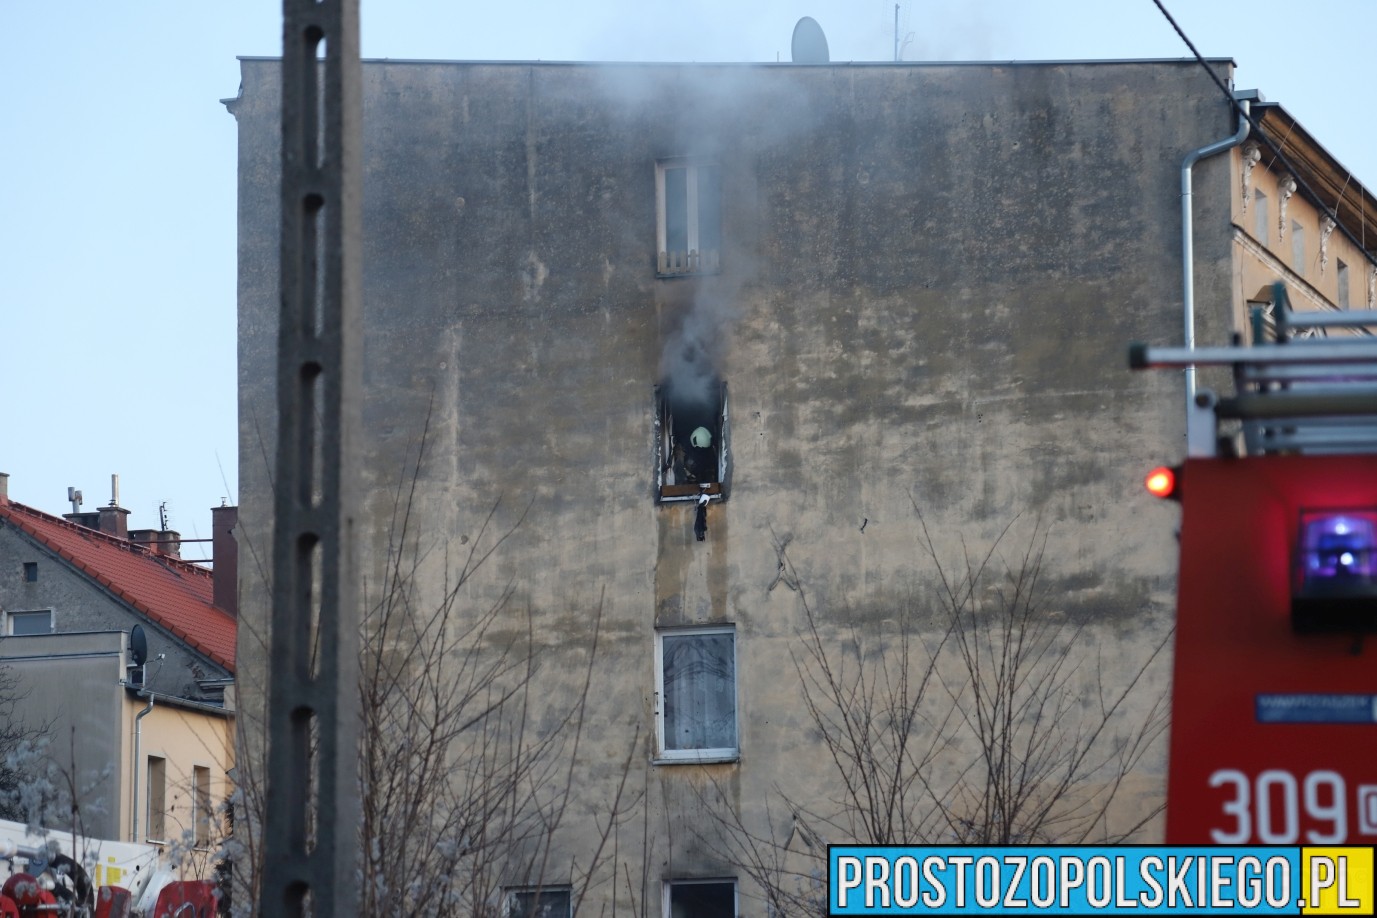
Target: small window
(157, 799)
(538, 903)
(1298, 247)
(691, 440)
(1261, 220)
(1341, 271)
(695, 676)
(700, 899)
(21, 623)
(205, 814)
(688, 205)
(30, 571)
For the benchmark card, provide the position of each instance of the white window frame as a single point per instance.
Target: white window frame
(511, 892)
(668, 885)
(701, 262)
(697, 756)
(10, 616)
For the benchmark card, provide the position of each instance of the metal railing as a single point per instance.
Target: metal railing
(1315, 394)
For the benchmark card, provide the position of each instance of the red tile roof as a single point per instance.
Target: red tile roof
(175, 595)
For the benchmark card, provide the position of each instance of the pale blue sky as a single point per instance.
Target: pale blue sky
(117, 176)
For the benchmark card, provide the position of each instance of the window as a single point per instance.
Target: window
(200, 779)
(1298, 247)
(691, 439)
(157, 798)
(695, 677)
(31, 622)
(1260, 217)
(538, 903)
(688, 205)
(1341, 270)
(30, 571)
(700, 899)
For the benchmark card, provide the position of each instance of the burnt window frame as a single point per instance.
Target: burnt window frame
(667, 891)
(697, 260)
(663, 444)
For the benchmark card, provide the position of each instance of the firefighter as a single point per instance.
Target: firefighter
(700, 462)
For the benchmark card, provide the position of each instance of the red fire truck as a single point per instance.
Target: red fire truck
(1274, 697)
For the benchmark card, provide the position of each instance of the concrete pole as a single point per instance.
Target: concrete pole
(310, 831)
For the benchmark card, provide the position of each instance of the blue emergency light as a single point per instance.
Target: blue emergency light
(1334, 579)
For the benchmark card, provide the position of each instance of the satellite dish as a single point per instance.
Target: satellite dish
(138, 645)
(810, 45)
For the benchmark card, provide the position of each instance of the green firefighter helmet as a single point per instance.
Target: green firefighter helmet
(701, 438)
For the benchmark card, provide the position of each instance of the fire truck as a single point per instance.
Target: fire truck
(44, 876)
(1274, 695)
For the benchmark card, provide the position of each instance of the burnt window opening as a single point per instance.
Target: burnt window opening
(691, 441)
(700, 899)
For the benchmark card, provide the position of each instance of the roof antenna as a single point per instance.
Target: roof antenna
(75, 497)
(162, 515)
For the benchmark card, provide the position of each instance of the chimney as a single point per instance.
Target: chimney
(225, 554)
(113, 521)
(4, 489)
(88, 518)
(159, 541)
(170, 543)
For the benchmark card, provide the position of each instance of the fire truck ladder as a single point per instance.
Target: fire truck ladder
(1297, 389)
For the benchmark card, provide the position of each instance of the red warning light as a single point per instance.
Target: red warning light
(1162, 482)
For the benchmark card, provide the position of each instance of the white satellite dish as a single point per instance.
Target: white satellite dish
(810, 45)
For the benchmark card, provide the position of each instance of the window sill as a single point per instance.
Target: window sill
(689, 492)
(676, 275)
(714, 758)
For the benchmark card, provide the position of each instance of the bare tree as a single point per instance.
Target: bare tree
(18, 742)
(984, 717)
(467, 771)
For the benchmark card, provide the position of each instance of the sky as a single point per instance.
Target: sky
(118, 172)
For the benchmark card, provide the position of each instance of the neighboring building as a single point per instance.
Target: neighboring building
(71, 592)
(1283, 233)
(879, 290)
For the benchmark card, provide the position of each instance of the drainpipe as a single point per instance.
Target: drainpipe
(138, 737)
(1200, 432)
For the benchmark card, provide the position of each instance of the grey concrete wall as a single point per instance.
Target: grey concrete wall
(68, 685)
(929, 278)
